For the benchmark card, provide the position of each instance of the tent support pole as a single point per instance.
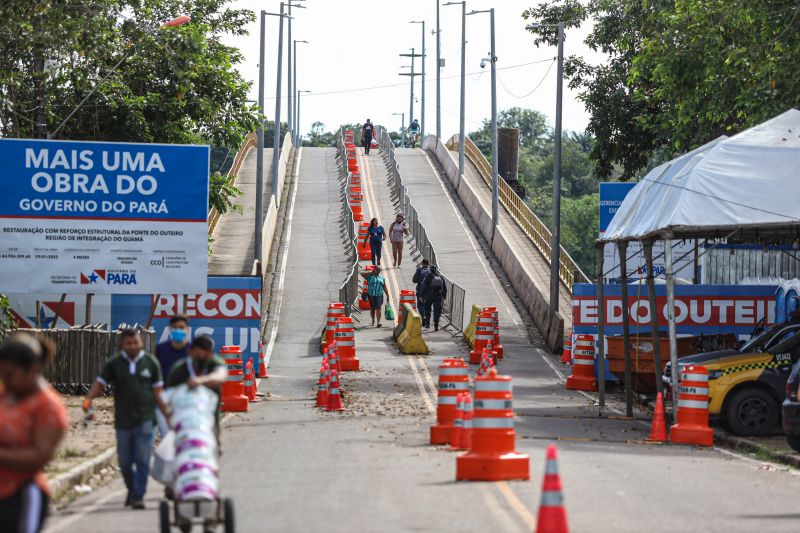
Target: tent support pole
(601, 319)
(673, 347)
(626, 333)
(651, 296)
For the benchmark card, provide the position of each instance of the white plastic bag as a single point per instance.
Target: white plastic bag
(163, 469)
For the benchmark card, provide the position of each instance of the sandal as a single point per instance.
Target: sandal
(379, 325)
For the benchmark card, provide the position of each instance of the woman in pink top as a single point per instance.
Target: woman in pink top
(397, 234)
(33, 420)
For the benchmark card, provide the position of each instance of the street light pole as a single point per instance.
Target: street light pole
(438, 75)
(296, 125)
(555, 245)
(495, 177)
(276, 141)
(402, 127)
(297, 115)
(462, 109)
(260, 150)
(413, 55)
(422, 112)
(292, 80)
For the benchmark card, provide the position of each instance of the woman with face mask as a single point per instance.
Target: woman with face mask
(33, 421)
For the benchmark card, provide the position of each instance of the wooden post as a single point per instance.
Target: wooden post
(623, 280)
(601, 319)
(58, 310)
(654, 327)
(88, 319)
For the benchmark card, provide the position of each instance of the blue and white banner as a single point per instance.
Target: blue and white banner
(103, 218)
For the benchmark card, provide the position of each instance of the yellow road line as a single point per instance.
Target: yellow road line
(506, 522)
(428, 403)
(516, 504)
(428, 378)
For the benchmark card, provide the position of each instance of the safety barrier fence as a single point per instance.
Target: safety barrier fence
(81, 351)
(349, 290)
(453, 306)
(248, 144)
(569, 272)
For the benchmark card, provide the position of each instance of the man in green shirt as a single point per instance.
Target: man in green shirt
(138, 384)
(200, 368)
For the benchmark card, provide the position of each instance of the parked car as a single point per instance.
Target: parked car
(746, 386)
(791, 409)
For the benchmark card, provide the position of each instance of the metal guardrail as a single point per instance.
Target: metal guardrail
(349, 290)
(81, 351)
(453, 306)
(568, 271)
(249, 142)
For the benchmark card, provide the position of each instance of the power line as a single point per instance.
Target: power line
(532, 90)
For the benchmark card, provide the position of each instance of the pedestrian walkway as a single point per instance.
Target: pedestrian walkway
(233, 246)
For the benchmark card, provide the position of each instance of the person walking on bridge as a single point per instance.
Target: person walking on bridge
(434, 291)
(138, 384)
(367, 131)
(375, 236)
(397, 234)
(376, 288)
(419, 276)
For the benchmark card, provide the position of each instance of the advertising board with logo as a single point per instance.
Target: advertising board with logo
(229, 312)
(612, 195)
(103, 218)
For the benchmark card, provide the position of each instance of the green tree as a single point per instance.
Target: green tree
(532, 127)
(318, 136)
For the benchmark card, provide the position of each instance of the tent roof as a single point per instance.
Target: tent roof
(747, 185)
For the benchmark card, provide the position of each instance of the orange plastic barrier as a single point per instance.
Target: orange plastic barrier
(355, 179)
(352, 164)
(658, 429)
(492, 456)
(232, 394)
(453, 378)
(484, 334)
(692, 426)
(346, 344)
(582, 377)
(498, 348)
(349, 136)
(362, 303)
(334, 396)
(335, 312)
(355, 204)
(406, 297)
(566, 355)
(552, 515)
(364, 250)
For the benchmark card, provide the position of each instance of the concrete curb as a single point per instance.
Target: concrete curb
(744, 445)
(62, 483)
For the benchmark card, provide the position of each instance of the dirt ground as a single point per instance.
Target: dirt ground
(81, 444)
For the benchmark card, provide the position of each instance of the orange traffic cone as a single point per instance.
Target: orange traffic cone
(458, 423)
(334, 398)
(566, 355)
(250, 381)
(466, 428)
(658, 431)
(552, 515)
(322, 386)
(262, 366)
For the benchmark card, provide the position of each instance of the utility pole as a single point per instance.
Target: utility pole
(438, 75)
(462, 108)
(422, 112)
(495, 177)
(276, 141)
(260, 150)
(413, 55)
(555, 245)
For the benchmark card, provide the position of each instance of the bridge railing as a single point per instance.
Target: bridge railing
(453, 306)
(349, 290)
(569, 272)
(248, 144)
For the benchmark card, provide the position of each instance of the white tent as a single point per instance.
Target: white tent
(748, 184)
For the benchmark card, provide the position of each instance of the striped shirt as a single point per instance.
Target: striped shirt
(375, 285)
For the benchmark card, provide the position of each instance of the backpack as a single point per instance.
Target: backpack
(437, 284)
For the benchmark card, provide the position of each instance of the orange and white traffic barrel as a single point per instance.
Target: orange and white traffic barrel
(335, 312)
(232, 394)
(406, 297)
(498, 347)
(349, 136)
(582, 377)
(484, 334)
(692, 426)
(346, 344)
(355, 204)
(453, 379)
(364, 249)
(492, 455)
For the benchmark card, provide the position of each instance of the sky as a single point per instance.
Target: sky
(355, 45)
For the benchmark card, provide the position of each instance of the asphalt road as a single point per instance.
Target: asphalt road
(291, 468)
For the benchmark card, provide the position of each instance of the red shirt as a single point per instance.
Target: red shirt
(18, 421)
